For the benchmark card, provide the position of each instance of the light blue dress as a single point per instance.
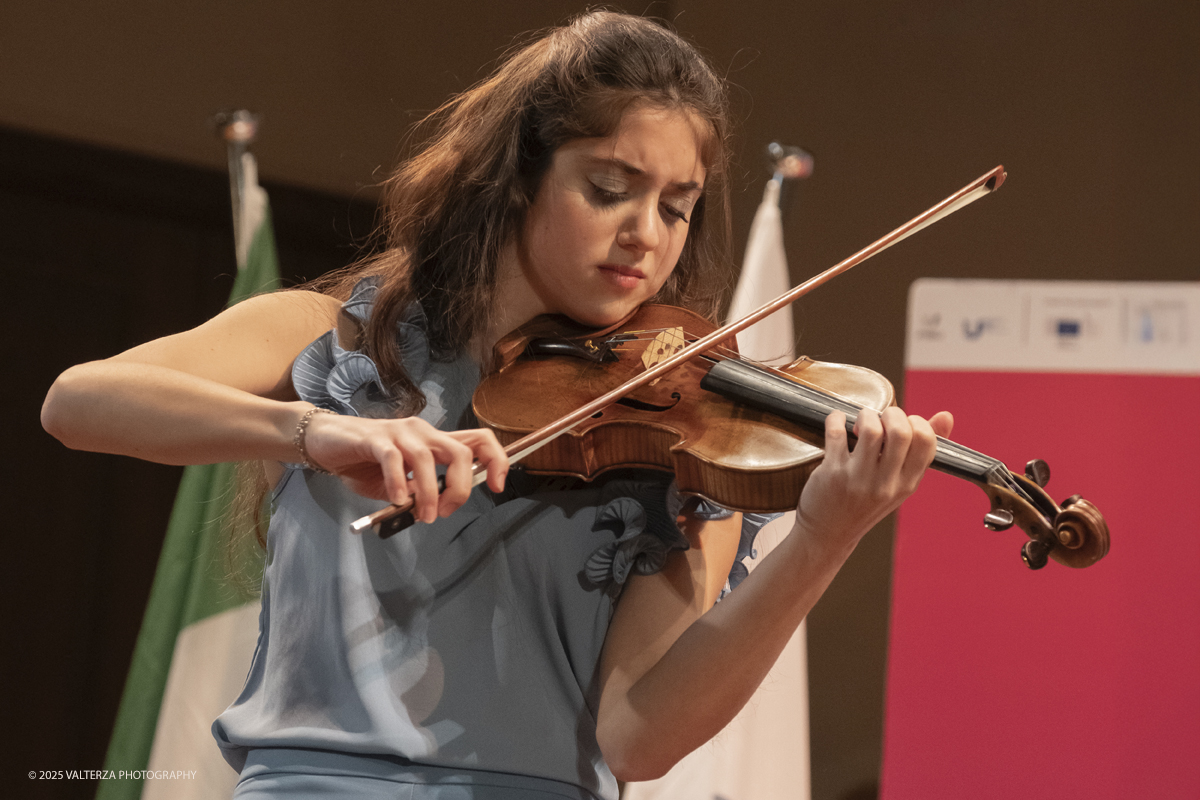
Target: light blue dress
(456, 659)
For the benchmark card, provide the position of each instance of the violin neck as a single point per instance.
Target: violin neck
(807, 407)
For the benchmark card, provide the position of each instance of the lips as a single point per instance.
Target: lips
(622, 276)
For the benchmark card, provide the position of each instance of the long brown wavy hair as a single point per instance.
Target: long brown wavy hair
(450, 209)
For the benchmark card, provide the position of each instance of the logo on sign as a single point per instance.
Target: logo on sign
(1147, 327)
(974, 329)
(1071, 330)
(1159, 323)
(930, 326)
(1068, 328)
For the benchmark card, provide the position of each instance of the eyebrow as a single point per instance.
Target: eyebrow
(630, 169)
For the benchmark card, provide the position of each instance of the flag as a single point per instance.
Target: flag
(199, 632)
(765, 277)
(763, 753)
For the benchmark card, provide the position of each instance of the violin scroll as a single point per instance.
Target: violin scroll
(1074, 534)
(1081, 528)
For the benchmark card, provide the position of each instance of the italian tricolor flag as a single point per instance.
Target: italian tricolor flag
(200, 631)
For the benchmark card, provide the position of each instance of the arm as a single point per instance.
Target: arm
(223, 392)
(675, 669)
(219, 392)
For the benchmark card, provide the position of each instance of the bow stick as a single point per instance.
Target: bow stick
(394, 518)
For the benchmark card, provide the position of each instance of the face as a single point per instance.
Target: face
(609, 220)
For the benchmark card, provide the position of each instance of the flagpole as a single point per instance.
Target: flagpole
(764, 246)
(238, 129)
(788, 163)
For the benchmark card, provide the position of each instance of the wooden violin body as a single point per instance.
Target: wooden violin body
(744, 436)
(726, 452)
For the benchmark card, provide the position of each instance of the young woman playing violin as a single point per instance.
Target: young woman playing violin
(523, 637)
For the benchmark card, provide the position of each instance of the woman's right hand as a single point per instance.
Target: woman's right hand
(395, 458)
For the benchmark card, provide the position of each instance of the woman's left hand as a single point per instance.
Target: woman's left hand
(667, 645)
(853, 490)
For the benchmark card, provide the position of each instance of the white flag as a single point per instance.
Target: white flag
(763, 754)
(765, 277)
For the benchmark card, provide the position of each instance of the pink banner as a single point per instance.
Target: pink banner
(1007, 683)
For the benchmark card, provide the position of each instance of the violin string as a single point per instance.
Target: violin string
(974, 458)
(1015, 486)
(706, 356)
(994, 468)
(649, 334)
(727, 352)
(616, 343)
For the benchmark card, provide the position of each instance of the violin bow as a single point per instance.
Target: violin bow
(394, 518)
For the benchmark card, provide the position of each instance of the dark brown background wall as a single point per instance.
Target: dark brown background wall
(1094, 108)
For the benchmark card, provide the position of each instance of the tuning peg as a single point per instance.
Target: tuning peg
(1070, 501)
(1035, 554)
(1000, 519)
(1038, 471)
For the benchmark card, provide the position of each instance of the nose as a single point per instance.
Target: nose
(640, 231)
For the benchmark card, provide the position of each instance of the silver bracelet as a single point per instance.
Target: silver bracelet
(298, 440)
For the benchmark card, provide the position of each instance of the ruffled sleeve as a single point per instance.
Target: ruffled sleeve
(642, 516)
(347, 381)
(751, 525)
(645, 533)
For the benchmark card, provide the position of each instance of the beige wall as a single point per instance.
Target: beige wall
(336, 82)
(1093, 107)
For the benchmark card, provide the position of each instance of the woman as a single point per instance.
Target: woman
(528, 639)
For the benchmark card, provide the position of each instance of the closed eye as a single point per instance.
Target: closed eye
(605, 197)
(678, 213)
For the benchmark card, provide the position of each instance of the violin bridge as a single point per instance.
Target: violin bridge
(666, 344)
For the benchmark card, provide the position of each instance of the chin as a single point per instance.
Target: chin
(604, 317)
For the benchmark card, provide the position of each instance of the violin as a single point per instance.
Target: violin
(740, 434)
(665, 389)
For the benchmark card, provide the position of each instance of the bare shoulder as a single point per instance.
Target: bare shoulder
(250, 346)
(298, 311)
